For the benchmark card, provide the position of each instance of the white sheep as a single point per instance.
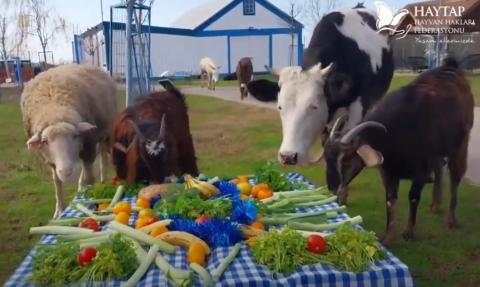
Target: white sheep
(209, 73)
(68, 111)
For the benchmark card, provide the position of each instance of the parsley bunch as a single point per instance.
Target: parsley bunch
(278, 181)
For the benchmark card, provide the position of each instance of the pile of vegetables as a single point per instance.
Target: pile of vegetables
(278, 181)
(284, 251)
(199, 216)
(67, 262)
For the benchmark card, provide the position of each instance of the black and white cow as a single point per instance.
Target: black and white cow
(359, 70)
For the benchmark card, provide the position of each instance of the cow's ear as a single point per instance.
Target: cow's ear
(264, 90)
(370, 156)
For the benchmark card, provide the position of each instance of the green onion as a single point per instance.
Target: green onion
(326, 226)
(315, 203)
(116, 197)
(217, 273)
(142, 237)
(59, 230)
(203, 273)
(319, 216)
(142, 269)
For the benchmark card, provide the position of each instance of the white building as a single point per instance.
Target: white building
(225, 30)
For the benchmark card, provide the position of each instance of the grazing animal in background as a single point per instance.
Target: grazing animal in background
(152, 139)
(209, 73)
(244, 75)
(408, 135)
(356, 73)
(68, 111)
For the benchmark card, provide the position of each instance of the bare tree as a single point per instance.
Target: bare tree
(45, 25)
(93, 43)
(13, 30)
(317, 8)
(295, 10)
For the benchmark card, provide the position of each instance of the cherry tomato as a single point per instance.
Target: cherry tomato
(122, 217)
(143, 203)
(89, 223)
(122, 206)
(86, 256)
(316, 244)
(203, 218)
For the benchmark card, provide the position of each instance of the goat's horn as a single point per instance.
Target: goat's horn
(337, 125)
(136, 128)
(347, 138)
(161, 133)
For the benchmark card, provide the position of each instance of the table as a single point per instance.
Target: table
(244, 272)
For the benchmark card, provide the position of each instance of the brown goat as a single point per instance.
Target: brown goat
(244, 75)
(152, 139)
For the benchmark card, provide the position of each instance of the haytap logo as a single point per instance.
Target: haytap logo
(387, 21)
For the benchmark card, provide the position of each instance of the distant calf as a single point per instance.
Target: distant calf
(209, 73)
(152, 139)
(408, 135)
(244, 75)
(67, 111)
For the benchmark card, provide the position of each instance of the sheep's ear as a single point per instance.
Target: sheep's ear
(85, 127)
(35, 142)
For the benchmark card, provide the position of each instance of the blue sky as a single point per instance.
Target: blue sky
(81, 16)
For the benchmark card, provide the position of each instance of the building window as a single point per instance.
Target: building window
(248, 7)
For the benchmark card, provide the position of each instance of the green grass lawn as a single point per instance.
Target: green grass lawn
(244, 137)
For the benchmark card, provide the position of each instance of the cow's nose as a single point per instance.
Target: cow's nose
(289, 158)
(65, 172)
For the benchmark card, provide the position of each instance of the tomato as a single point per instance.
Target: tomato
(158, 230)
(264, 193)
(152, 220)
(196, 253)
(86, 256)
(117, 180)
(258, 187)
(316, 244)
(103, 206)
(89, 223)
(122, 206)
(143, 203)
(146, 212)
(122, 217)
(203, 218)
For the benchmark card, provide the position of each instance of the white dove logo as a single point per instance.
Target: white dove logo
(387, 21)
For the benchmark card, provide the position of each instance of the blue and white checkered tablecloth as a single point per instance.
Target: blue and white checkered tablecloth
(244, 272)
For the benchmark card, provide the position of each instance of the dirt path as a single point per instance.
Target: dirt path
(233, 94)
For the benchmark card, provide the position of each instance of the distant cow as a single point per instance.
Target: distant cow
(408, 135)
(209, 73)
(244, 75)
(152, 139)
(348, 65)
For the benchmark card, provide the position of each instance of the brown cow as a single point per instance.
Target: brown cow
(244, 75)
(153, 140)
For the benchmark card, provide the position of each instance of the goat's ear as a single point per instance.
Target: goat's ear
(85, 127)
(35, 142)
(370, 156)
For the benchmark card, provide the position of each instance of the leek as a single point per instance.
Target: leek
(325, 226)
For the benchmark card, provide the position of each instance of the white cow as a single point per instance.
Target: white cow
(209, 72)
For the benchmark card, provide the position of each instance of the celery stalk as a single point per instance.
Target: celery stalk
(203, 273)
(142, 269)
(64, 230)
(217, 273)
(116, 197)
(142, 237)
(315, 203)
(326, 226)
(73, 237)
(177, 276)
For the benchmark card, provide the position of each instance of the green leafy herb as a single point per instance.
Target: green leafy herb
(352, 250)
(278, 181)
(57, 265)
(101, 190)
(283, 251)
(188, 204)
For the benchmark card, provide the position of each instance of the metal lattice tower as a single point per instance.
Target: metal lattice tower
(130, 47)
